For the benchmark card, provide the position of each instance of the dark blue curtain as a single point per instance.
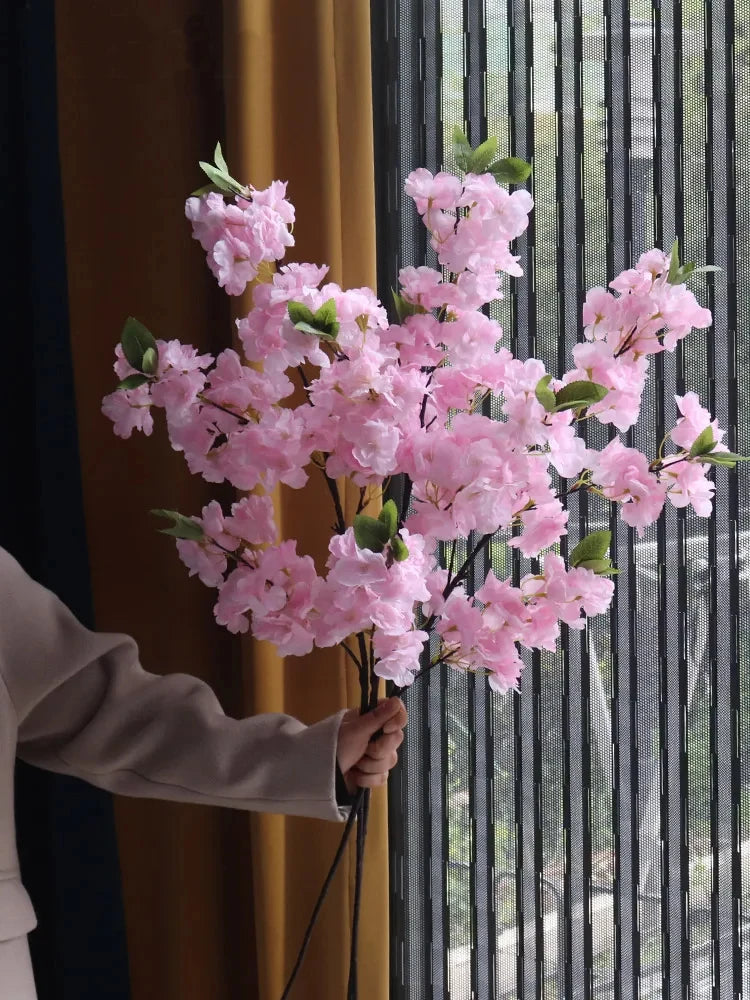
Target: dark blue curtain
(65, 827)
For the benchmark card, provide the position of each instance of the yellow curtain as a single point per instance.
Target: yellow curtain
(298, 99)
(215, 900)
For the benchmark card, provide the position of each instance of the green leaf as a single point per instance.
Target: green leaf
(183, 527)
(511, 170)
(389, 517)
(219, 160)
(222, 180)
(461, 148)
(579, 394)
(299, 313)
(150, 361)
(726, 458)
(133, 382)
(674, 264)
(369, 533)
(602, 567)
(706, 267)
(544, 394)
(399, 549)
(685, 271)
(482, 156)
(306, 321)
(325, 316)
(315, 332)
(680, 273)
(404, 308)
(703, 443)
(136, 339)
(593, 546)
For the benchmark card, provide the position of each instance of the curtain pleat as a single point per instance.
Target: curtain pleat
(215, 900)
(298, 100)
(139, 103)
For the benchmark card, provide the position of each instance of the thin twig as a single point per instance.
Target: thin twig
(210, 402)
(352, 656)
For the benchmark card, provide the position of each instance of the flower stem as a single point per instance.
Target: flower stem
(406, 500)
(324, 891)
(359, 876)
(333, 489)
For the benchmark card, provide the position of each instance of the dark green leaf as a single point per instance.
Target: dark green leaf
(306, 321)
(482, 156)
(183, 527)
(511, 170)
(325, 316)
(150, 361)
(399, 549)
(593, 546)
(136, 339)
(389, 517)
(369, 533)
(299, 313)
(544, 394)
(703, 443)
(578, 394)
(315, 332)
(132, 382)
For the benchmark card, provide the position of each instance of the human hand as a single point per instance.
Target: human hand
(364, 761)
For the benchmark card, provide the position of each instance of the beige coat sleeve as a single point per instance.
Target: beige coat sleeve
(86, 707)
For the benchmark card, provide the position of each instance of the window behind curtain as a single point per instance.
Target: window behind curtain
(589, 838)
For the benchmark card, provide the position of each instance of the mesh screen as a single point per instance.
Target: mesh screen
(589, 838)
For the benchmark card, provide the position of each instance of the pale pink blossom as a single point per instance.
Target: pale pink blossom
(687, 484)
(694, 420)
(397, 656)
(623, 475)
(129, 410)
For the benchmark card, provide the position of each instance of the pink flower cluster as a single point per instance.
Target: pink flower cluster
(483, 632)
(238, 237)
(383, 398)
(647, 316)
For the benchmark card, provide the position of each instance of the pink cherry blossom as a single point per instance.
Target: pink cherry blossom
(687, 484)
(397, 656)
(694, 420)
(129, 410)
(623, 475)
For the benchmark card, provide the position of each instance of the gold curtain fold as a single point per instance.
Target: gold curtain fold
(215, 900)
(299, 108)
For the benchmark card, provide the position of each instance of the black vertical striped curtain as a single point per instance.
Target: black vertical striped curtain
(589, 838)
